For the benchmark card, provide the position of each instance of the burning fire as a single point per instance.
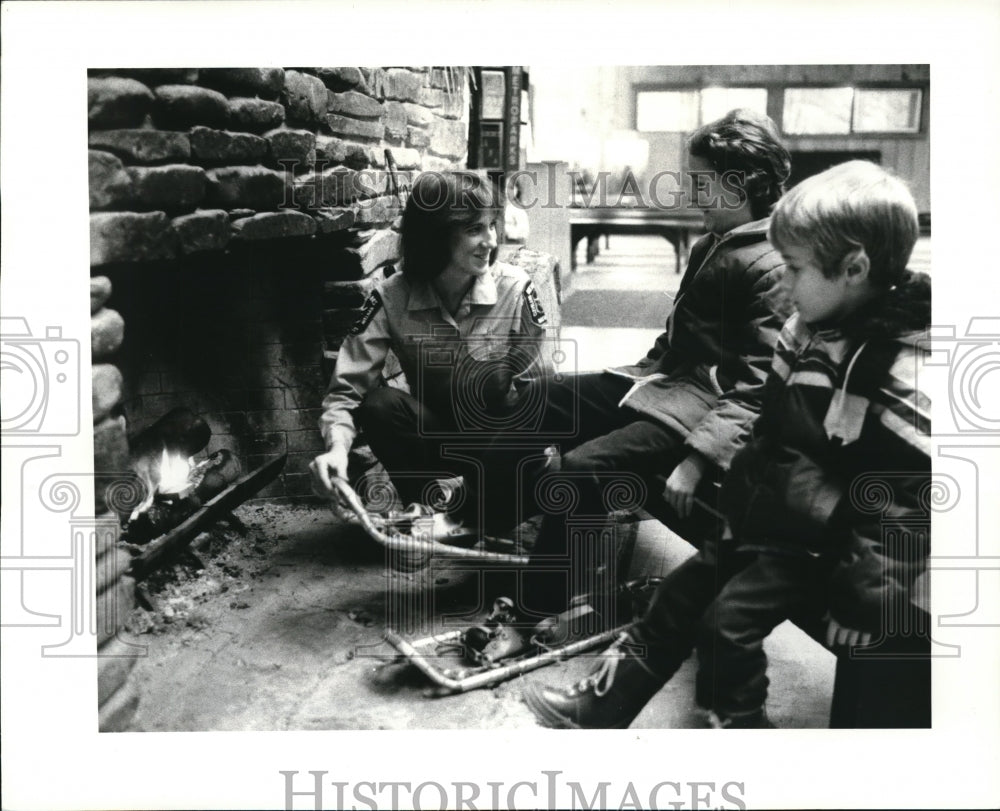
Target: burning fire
(175, 472)
(168, 476)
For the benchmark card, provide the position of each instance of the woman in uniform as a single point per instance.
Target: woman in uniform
(467, 331)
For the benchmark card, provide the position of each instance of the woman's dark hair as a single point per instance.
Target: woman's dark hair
(438, 204)
(746, 142)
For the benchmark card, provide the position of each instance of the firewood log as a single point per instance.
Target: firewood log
(179, 431)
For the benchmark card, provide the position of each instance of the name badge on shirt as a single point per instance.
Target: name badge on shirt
(368, 311)
(535, 309)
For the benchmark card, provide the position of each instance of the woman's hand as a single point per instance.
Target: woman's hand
(682, 483)
(847, 637)
(326, 467)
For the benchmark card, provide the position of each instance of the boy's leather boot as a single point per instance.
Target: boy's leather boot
(610, 697)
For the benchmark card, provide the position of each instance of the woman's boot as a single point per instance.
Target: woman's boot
(610, 697)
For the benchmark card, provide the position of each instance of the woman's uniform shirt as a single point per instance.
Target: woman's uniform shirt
(462, 365)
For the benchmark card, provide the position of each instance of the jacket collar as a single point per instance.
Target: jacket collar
(750, 231)
(708, 244)
(755, 229)
(901, 314)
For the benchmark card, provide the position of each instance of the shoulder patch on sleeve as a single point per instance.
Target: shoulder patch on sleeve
(372, 305)
(535, 309)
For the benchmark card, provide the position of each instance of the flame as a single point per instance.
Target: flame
(174, 472)
(170, 476)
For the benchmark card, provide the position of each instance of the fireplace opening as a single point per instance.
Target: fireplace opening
(236, 338)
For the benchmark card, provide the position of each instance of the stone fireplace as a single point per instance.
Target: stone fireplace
(239, 219)
(242, 216)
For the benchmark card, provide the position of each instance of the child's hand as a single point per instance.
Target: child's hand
(846, 637)
(682, 483)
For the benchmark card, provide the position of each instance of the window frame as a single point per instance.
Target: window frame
(784, 108)
(776, 105)
(660, 88)
(922, 123)
(922, 89)
(688, 88)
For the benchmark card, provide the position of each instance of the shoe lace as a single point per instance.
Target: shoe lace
(602, 678)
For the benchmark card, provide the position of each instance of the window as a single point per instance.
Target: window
(686, 110)
(807, 110)
(666, 110)
(717, 101)
(887, 110)
(843, 110)
(818, 110)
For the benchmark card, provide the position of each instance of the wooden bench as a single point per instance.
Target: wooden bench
(592, 221)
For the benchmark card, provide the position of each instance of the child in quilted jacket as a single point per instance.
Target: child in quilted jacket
(827, 502)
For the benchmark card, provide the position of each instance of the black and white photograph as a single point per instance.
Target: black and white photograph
(435, 408)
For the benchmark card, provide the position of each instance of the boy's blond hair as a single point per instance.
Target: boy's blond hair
(851, 205)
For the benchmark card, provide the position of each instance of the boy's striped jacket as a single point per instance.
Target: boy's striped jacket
(839, 462)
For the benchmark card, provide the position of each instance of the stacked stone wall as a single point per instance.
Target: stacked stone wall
(242, 215)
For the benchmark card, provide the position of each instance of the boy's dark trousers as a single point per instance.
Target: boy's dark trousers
(669, 629)
(732, 674)
(884, 685)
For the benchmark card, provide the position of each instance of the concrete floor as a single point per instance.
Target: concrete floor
(296, 644)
